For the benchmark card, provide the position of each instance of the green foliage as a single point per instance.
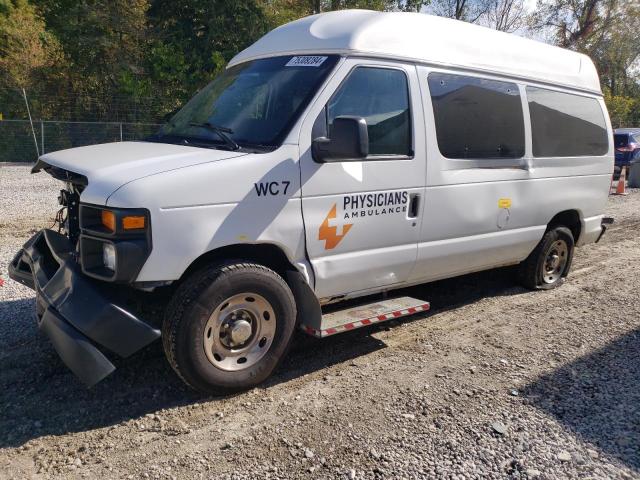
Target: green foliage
(140, 60)
(103, 44)
(194, 39)
(25, 45)
(623, 111)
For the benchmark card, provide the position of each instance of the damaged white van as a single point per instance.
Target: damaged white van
(342, 155)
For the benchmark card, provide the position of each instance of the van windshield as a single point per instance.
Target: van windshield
(251, 105)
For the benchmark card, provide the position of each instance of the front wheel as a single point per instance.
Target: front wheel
(228, 326)
(549, 263)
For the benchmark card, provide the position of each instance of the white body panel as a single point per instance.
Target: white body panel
(464, 229)
(380, 248)
(111, 165)
(201, 199)
(212, 205)
(421, 38)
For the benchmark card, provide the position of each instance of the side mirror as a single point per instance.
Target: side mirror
(348, 140)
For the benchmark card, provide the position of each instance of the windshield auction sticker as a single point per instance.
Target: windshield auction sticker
(306, 61)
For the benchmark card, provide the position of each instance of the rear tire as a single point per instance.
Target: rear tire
(228, 327)
(549, 263)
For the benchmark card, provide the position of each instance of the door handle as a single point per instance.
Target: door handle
(414, 205)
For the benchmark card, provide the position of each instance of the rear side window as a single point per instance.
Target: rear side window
(621, 140)
(381, 97)
(477, 118)
(566, 125)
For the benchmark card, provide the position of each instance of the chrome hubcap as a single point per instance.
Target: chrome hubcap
(555, 261)
(239, 332)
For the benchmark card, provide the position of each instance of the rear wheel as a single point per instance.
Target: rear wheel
(549, 263)
(228, 327)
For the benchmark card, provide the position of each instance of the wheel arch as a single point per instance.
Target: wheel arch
(271, 256)
(267, 254)
(572, 219)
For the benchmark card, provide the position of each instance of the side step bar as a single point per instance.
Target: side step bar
(362, 315)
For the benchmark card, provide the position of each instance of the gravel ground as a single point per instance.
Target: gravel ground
(494, 382)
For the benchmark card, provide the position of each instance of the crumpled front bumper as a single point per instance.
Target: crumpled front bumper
(77, 313)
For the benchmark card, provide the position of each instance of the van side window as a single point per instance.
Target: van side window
(381, 97)
(477, 118)
(566, 125)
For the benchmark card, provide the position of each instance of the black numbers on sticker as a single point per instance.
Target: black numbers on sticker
(272, 188)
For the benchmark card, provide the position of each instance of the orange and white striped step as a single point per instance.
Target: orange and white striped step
(367, 314)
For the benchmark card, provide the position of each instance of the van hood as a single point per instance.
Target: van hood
(105, 168)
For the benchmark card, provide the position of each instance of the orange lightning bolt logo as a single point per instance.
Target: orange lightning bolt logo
(329, 233)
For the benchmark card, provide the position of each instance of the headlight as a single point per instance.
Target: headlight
(109, 256)
(114, 242)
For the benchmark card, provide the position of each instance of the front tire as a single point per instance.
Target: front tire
(228, 327)
(549, 263)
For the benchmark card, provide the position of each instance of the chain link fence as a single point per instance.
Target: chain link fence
(19, 142)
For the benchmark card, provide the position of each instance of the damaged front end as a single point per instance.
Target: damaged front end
(78, 306)
(77, 313)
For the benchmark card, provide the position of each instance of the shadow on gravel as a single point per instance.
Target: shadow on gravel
(598, 398)
(455, 292)
(39, 396)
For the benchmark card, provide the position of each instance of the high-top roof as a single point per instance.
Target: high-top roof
(426, 39)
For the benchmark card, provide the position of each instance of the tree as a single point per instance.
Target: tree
(364, 4)
(283, 11)
(467, 10)
(25, 46)
(606, 30)
(192, 40)
(574, 23)
(141, 59)
(28, 58)
(279, 12)
(103, 44)
(623, 111)
(617, 51)
(506, 15)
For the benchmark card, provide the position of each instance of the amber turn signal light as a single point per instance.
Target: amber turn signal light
(133, 222)
(109, 220)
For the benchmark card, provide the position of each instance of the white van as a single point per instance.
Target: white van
(342, 155)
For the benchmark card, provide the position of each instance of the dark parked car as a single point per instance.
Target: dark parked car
(627, 145)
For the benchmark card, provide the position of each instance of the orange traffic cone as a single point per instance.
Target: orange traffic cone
(622, 183)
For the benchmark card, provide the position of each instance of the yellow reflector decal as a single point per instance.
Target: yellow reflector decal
(109, 220)
(504, 203)
(133, 222)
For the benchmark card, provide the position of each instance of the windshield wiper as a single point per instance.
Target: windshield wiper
(222, 132)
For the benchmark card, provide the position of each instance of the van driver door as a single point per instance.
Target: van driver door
(363, 218)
